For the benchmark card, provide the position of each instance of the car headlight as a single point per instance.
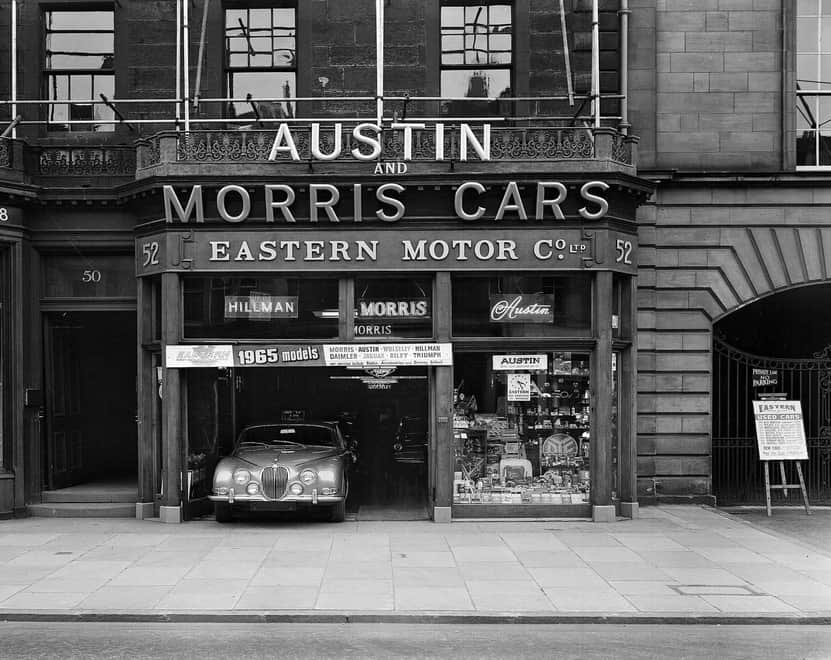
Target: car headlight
(222, 475)
(308, 476)
(296, 489)
(326, 475)
(398, 446)
(252, 488)
(242, 476)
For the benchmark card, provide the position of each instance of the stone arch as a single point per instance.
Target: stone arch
(700, 262)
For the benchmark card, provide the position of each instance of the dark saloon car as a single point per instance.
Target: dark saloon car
(410, 444)
(285, 467)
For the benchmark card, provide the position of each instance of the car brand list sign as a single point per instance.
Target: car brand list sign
(289, 355)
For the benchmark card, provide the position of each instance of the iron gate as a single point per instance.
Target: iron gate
(737, 471)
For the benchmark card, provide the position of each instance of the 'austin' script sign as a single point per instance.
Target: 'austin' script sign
(522, 308)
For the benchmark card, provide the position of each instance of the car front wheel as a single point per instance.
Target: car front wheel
(338, 512)
(223, 512)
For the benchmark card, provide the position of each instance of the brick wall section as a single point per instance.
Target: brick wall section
(705, 252)
(719, 84)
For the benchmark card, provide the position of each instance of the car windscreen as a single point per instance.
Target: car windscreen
(300, 434)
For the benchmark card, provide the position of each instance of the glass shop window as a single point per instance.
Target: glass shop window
(393, 307)
(813, 83)
(261, 61)
(476, 58)
(78, 68)
(521, 428)
(522, 306)
(260, 307)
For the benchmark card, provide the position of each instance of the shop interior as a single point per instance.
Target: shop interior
(384, 411)
(522, 434)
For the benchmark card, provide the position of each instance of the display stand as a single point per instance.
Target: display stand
(780, 435)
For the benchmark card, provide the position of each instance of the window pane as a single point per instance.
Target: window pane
(805, 148)
(475, 84)
(523, 435)
(260, 307)
(284, 17)
(393, 307)
(263, 85)
(68, 20)
(806, 71)
(452, 17)
(563, 303)
(806, 35)
(806, 7)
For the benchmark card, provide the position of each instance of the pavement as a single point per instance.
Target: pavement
(683, 564)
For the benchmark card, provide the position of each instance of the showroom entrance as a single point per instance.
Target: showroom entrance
(383, 410)
(780, 343)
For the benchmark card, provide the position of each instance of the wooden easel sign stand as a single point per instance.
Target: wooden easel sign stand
(780, 435)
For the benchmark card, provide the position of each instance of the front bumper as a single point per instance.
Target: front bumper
(261, 500)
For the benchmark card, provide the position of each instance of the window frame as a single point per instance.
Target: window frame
(106, 121)
(228, 71)
(511, 66)
(811, 99)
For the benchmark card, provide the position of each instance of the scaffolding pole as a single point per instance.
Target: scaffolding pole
(186, 63)
(197, 86)
(596, 62)
(379, 60)
(14, 68)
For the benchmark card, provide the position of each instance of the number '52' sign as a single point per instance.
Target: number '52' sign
(150, 254)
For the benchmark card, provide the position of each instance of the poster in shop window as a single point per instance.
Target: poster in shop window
(780, 431)
(519, 387)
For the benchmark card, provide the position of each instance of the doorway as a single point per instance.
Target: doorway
(387, 415)
(90, 384)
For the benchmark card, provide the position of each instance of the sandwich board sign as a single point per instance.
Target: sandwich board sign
(780, 436)
(780, 432)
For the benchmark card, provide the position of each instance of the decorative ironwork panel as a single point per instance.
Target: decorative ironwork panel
(87, 161)
(5, 153)
(737, 471)
(507, 144)
(621, 150)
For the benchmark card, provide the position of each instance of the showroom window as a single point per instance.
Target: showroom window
(393, 307)
(260, 307)
(261, 61)
(813, 80)
(521, 428)
(476, 57)
(78, 67)
(520, 305)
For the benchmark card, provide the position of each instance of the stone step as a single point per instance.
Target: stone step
(83, 510)
(69, 495)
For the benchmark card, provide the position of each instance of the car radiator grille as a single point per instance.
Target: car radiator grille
(274, 481)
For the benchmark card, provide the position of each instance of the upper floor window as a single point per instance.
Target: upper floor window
(476, 57)
(813, 83)
(78, 68)
(261, 61)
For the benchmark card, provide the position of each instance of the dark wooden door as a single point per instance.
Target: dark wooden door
(64, 414)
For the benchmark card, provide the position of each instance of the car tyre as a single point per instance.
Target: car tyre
(338, 512)
(223, 512)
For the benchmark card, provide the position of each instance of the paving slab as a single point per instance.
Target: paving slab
(678, 563)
